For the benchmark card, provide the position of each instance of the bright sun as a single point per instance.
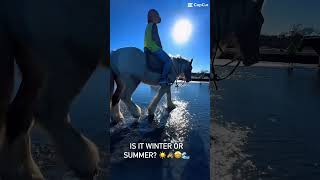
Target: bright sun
(182, 31)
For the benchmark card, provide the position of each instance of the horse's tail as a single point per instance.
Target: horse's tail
(115, 79)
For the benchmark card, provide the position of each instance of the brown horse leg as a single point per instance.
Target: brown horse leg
(20, 164)
(6, 80)
(21, 109)
(64, 83)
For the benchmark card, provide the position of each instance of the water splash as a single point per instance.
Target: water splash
(178, 123)
(166, 126)
(228, 157)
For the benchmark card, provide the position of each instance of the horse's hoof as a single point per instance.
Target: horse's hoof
(29, 173)
(135, 124)
(150, 117)
(137, 116)
(87, 175)
(90, 175)
(116, 120)
(150, 111)
(113, 123)
(170, 108)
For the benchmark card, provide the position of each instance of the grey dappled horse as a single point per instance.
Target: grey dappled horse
(129, 68)
(57, 45)
(238, 22)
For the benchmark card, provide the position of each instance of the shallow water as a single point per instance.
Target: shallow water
(266, 124)
(188, 123)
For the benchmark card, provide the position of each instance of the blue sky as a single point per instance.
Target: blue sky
(281, 14)
(129, 20)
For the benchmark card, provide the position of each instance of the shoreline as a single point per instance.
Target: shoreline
(261, 64)
(220, 62)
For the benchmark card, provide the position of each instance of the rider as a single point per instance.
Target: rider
(153, 44)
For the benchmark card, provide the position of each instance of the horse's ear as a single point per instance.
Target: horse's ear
(191, 61)
(259, 4)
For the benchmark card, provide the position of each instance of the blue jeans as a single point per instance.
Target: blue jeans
(164, 57)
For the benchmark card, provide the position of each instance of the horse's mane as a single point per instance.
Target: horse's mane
(225, 13)
(179, 59)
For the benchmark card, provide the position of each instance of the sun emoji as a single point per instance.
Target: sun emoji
(162, 155)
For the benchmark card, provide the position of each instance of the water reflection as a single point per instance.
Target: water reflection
(265, 125)
(177, 126)
(188, 123)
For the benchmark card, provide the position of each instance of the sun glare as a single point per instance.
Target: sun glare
(182, 31)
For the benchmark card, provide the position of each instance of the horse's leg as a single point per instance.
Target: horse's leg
(20, 117)
(77, 151)
(18, 161)
(130, 87)
(17, 153)
(170, 104)
(5, 92)
(116, 114)
(6, 82)
(153, 105)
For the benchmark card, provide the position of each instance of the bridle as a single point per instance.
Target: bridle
(177, 84)
(216, 77)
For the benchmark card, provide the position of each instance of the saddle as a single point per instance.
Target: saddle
(153, 63)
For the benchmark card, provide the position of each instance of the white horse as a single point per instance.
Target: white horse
(129, 68)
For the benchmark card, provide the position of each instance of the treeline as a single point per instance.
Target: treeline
(273, 41)
(282, 40)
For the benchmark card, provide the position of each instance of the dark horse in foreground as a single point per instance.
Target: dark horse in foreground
(56, 45)
(236, 22)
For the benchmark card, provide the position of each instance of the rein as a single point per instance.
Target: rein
(216, 77)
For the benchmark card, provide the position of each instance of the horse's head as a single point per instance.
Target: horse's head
(249, 32)
(241, 20)
(183, 67)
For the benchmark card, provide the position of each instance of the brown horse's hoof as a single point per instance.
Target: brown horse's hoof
(116, 122)
(150, 117)
(90, 175)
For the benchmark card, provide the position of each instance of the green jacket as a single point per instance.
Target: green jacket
(151, 38)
